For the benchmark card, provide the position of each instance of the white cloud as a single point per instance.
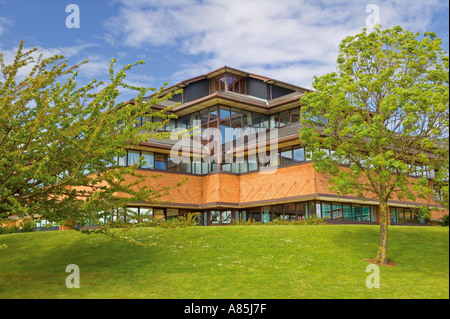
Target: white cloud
(97, 67)
(4, 22)
(289, 40)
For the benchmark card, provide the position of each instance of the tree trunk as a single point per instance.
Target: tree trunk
(382, 248)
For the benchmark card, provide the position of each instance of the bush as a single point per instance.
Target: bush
(27, 226)
(9, 230)
(444, 221)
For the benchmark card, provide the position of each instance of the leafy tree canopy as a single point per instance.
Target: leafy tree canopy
(59, 141)
(384, 114)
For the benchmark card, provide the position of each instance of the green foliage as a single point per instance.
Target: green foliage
(27, 226)
(59, 141)
(445, 221)
(9, 230)
(384, 113)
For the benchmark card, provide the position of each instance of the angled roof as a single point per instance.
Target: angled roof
(230, 70)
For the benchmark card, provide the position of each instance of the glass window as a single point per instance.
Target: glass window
(225, 132)
(337, 211)
(356, 212)
(255, 214)
(373, 213)
(393, 215)
(277, 211)
(257, 119)
(299, 154)
(227, 82)
(131, 214)
(243, 166)
(226, 167)
(289, 211)
(133, 157)
(160, 161)
(294, 115)
(235, 168)
(172, 213)
(185, 165)
(145, 213)
(347, 210)
(146, 120)
(197, 166)
(226, 217)
(138, 122)
(183, 122)
(246, 118)
(275, 120)
(365, 213)
(205, 168)
(236, 84)
(158, 121)
(326, 210)
(215, 217)
(265, 121)
(266, 215)
(286, 156)
(149, 159)
(204, 116)
(170, 126)
(401, 215)
(284, 118)
(319, 210)
(311, 208)
(158, 213)
(252, 163)
(302, 210)
(407, 213)
(122, 160)
(214, 167)
(224, 113)
(212, 113)
(235, 117)
(195, 119)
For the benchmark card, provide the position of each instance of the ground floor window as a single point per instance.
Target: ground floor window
(405, 215)
(334, 211)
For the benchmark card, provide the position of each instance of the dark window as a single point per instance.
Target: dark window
(160, 161)
(286, 156)
(326, 210)
(337, 211)
(365, 213)
(357, 213)
(347, 210)
(284, 118)
(289, 212)
(299, 154)
(215, 217)
(172, 166)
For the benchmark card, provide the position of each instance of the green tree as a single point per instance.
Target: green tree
(59, 141)
(384, 116)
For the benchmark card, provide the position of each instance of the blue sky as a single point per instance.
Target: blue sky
(289, 40)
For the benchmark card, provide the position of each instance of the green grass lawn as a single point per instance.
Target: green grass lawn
(320, 261)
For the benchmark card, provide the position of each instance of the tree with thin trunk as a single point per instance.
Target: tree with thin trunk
(378, 126)
(60, 141)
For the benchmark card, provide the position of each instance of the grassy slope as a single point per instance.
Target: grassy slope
(227, 262)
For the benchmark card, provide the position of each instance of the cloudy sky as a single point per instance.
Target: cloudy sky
(289, 40)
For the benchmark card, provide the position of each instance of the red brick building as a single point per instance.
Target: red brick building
(249, 177)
